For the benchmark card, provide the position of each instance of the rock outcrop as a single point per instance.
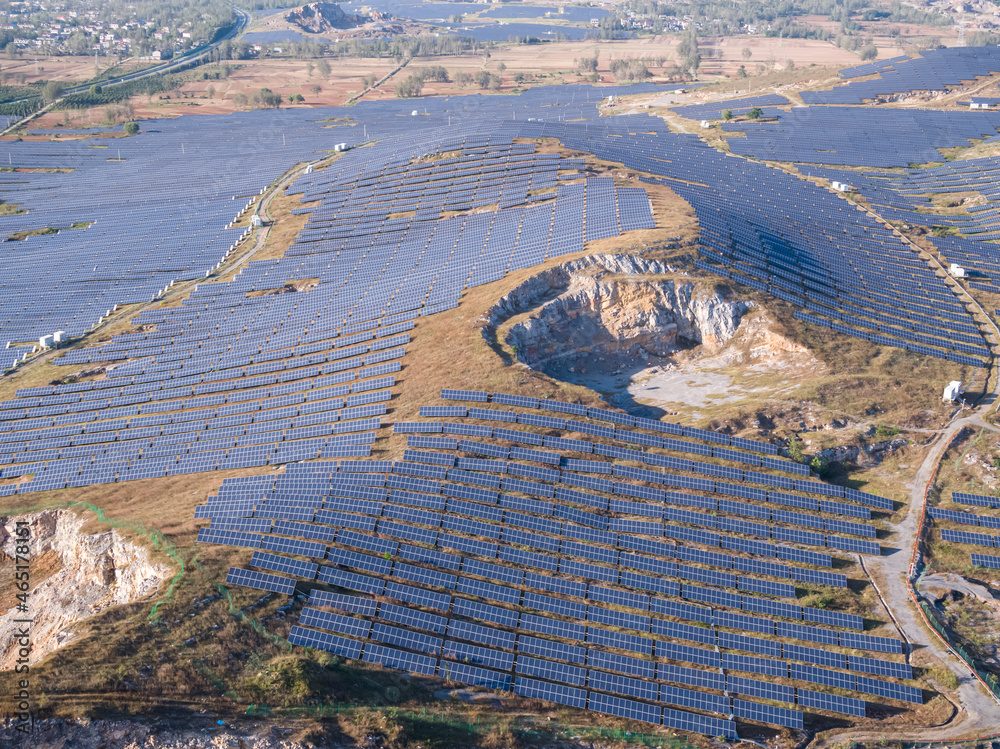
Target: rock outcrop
(317, 18)
(540, 287)
(96, 571)
(612, 305)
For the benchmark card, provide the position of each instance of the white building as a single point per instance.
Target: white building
(952, 392)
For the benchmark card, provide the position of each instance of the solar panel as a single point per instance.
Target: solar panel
(831, 702)
(473, 675)
(418, 664)
(761, 713)
(347, 625)
(465, 395)
(889, 689)
(477, 655)
(563, 695)
(279, 563)
(625, 708)
(341, 646)
(880, 667)
(698, 723)
(260, 580)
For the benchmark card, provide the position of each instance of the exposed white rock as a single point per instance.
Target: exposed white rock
(579, 312)
(96, 571)
(543, 285)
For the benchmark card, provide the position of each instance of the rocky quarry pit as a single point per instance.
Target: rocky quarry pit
(638, 331)
(95, 572)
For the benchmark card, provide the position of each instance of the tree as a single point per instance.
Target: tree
(433, 73)
(78, 43)
(323, 67)
(368, 80)
(727, 115)
(501, 67)
(688, 52)
(410, 87)
(309, 69)
(52, 91)
(462, 78)
(747, 54)
(268, 99)
(868, 52)
(755, 114)
(741, 72)
(316, 89)
(240, 100)
(482, 78)
(210, 91)
(628, 69)
(131, 128)
(295, 98)
(587, 64)
(820, 465)
(795, 450)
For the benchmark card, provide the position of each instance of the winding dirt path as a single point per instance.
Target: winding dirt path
(979, 712)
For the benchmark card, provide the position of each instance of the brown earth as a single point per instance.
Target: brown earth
(67, 69)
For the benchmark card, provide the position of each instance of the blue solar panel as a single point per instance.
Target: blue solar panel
(341, 646)
(562, 695)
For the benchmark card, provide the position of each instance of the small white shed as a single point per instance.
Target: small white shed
(952, 391)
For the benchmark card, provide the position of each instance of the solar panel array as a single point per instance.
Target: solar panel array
(177, 226)
(195, 393)
(965, 518)
(871, 68)
(768, 103)
(550, 585)
(934, 70)
(238, 376)
(861, 137)
(848, 272)
(571, 553)
(976, 499)
(908, 197)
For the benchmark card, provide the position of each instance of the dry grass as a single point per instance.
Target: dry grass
(68, 69)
